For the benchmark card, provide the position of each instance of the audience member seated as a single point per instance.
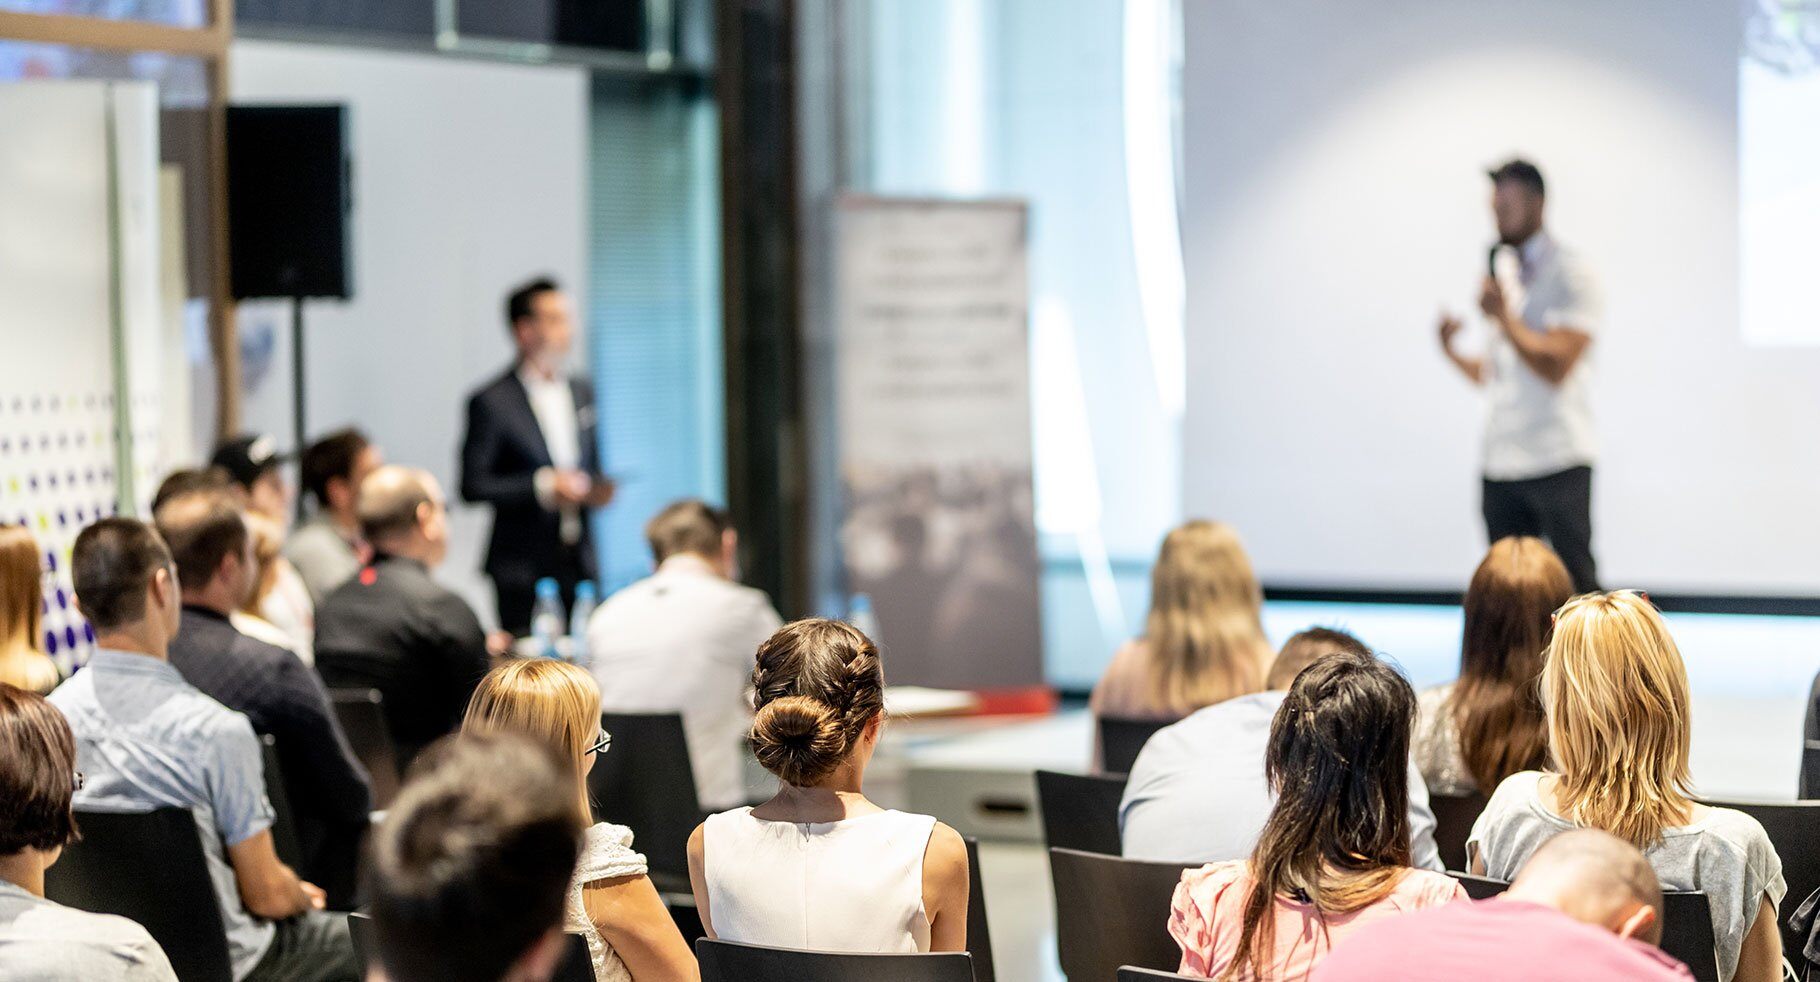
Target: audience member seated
(682, 640)
(472, 863)
(249, 617)
(818, 866)
(395, 629)
(1476, 731)
(611, 901)
(1203, 640)
(1586, 906)
(1198, 792)
(328, 789)
(147, 739)
(327, 548)
(252, 464)
(191, 479)
(22, 662)
(1334, 853)
(1615, 692)
(41, 940)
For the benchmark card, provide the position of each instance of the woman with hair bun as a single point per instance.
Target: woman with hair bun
(818, 866)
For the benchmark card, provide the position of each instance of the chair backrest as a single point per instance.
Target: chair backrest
(148, 867)
(1810, 770)
(576, 965)
(1122, 739)
(1794, 829)
(284, 821)
(728, 961)
(361, 713)
(1111, 911)
(1454, 815)
(1687, 924)
(645, 783)
(1131, 973)
(979, 933)
(1687, 933)
(1479, 887)
(1080, 811)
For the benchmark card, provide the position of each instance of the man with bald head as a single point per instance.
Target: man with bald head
(1586, 906)
(395, 629)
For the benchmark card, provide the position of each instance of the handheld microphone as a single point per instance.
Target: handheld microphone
(1491, 259)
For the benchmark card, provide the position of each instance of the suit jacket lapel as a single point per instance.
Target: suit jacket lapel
(519, 401)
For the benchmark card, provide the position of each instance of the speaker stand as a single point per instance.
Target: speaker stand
(297, 424)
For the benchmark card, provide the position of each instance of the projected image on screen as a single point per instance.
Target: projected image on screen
(1779, 171)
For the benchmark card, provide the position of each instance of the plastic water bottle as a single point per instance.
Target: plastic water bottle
(861, 615)
(578, 621)
(546, 617)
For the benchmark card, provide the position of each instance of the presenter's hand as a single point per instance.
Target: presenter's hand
(1450, 326)
(572, 488)
(602, 492)
(1491, 300)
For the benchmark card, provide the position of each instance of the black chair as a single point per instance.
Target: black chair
(361, 713)
(727, 961)
(148, 867)
(1110, 912)
(645, 783)
(1122, 739)
(1687, 933)
(1687, 924)
(1810, 769)
(576, 964)
(1454, 815)
(285, 840)
(1130, 973)
(979, 933)
(1479, 887)
(1080, 811)
(1794, 829)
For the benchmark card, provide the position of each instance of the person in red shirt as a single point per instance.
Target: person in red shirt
(1586, 906)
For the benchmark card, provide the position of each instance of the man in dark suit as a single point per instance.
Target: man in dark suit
(324, 782)
(530, 452)
(395, 629)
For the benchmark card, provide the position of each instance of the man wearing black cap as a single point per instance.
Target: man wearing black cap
(530, 452)
(1536, 372)
(253, 463)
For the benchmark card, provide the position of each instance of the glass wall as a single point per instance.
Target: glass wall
(654, 306)
(1069, 106)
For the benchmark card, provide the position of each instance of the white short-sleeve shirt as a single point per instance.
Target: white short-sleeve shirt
(1534, 428)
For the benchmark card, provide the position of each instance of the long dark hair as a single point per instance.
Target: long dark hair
(1338, 762)
(1496, 704)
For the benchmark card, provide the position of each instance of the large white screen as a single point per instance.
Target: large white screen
(1336, 200)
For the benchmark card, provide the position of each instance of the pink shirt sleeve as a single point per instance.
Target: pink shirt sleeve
(1206, 902)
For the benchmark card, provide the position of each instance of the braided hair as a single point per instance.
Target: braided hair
(817, 685)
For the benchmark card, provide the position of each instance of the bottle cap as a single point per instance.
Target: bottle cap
(547, 587)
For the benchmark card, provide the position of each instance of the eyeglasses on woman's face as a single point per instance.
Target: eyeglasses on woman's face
(602, 741)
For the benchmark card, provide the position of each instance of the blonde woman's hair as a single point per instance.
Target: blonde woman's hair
(552, 702)
(22, 662)
(1204, 633)
(1615, 693)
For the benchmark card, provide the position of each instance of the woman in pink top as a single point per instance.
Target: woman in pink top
(1334, 853)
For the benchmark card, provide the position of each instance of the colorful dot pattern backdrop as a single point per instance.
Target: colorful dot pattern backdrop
(57, 454)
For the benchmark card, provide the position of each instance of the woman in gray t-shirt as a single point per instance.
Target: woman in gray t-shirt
(1617, 702)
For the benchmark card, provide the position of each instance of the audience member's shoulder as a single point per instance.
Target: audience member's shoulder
(1427, 888)
(1434, 698)
(111, 937)
(945, 858)
(1516, 791)
(263, 655)
(607, 853)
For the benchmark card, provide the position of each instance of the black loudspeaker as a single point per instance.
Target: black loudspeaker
(289, 194)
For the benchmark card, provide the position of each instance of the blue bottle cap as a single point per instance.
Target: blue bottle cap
(547, 587)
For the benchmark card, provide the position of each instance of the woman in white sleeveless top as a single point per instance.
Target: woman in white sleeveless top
(818, 866)
(631, 936)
